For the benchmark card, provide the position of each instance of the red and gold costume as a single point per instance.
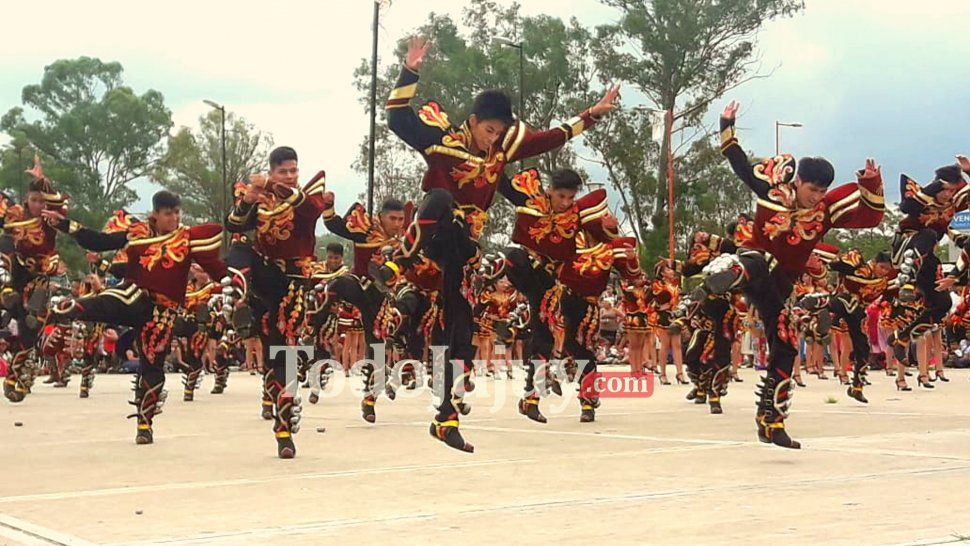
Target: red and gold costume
(549, 239)
(460, 182)
(783, 238)
(636, 305)
(284, 243)
(151, 296)
(28, 264)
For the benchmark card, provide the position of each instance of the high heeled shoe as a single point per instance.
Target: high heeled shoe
(924, 381)
(941, 377)
(680, 379)
(664, 380)
(798, 381)
(901, 385)
(843, 379)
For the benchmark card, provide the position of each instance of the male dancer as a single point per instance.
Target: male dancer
(159, 254)
(860, 284)
(795, 210)
(464, 165)
(29, 262)
(547, 224)
(284, 218)
(372, 237)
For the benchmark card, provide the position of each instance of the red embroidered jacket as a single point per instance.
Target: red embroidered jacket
(471, 178)
(922, 210)
(786, 231)
(587, 272)
(365, 231)
(285, 227)
(158, 263)
(553, 234)
(859, 278)
(34, 241)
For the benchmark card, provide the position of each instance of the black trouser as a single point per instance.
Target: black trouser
(708, 355)
(26, 287)
(192, 341)
(853, 313)
(534, 281)
(154, 326)
(420, 325)
(413, 305)
(580, 324)
(367, 299)
(446, 240)
(767, 291)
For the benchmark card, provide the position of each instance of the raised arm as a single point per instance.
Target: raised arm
(353, 225)
(859, 205)
(419, 130)
(242, 217)
(916, 198)
(89, 239)
(736, 155)
(521, 142)
(204, 243)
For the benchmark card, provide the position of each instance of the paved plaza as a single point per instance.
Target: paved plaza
(648, 471)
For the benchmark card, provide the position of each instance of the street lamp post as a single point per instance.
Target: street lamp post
(373, 110)
(517, 45)
(225, 185)
(778, 126)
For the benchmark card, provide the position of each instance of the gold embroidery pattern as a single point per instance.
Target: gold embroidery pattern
(480, 173)
(31, 233)
(119, 221)
(558, 227)
(783, 194)
(594, 262)
(358, 221)
(431, 114)
(796, 226)
(776, 170)
(277, 227)
(169, 252)
(476, 221)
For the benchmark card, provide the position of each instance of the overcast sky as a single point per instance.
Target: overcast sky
(882, 78)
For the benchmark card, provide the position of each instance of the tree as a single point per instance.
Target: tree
(464, 61)
(94, 134)
(192, 164)
(682, 55)
(709, 194)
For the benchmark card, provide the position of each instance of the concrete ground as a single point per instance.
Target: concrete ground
(649, 471)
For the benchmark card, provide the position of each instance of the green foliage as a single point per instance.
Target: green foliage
(681, 55)
(464, 61)
(192, 164)
(94, 134)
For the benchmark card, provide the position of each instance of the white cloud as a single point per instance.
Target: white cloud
(288, 66)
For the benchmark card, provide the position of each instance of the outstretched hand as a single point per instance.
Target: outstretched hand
(255, 189)
(964, 162)
(52, 217)
(606, 104)
(37, 171)
(872, 169)
(731, 110)
(417, 48)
